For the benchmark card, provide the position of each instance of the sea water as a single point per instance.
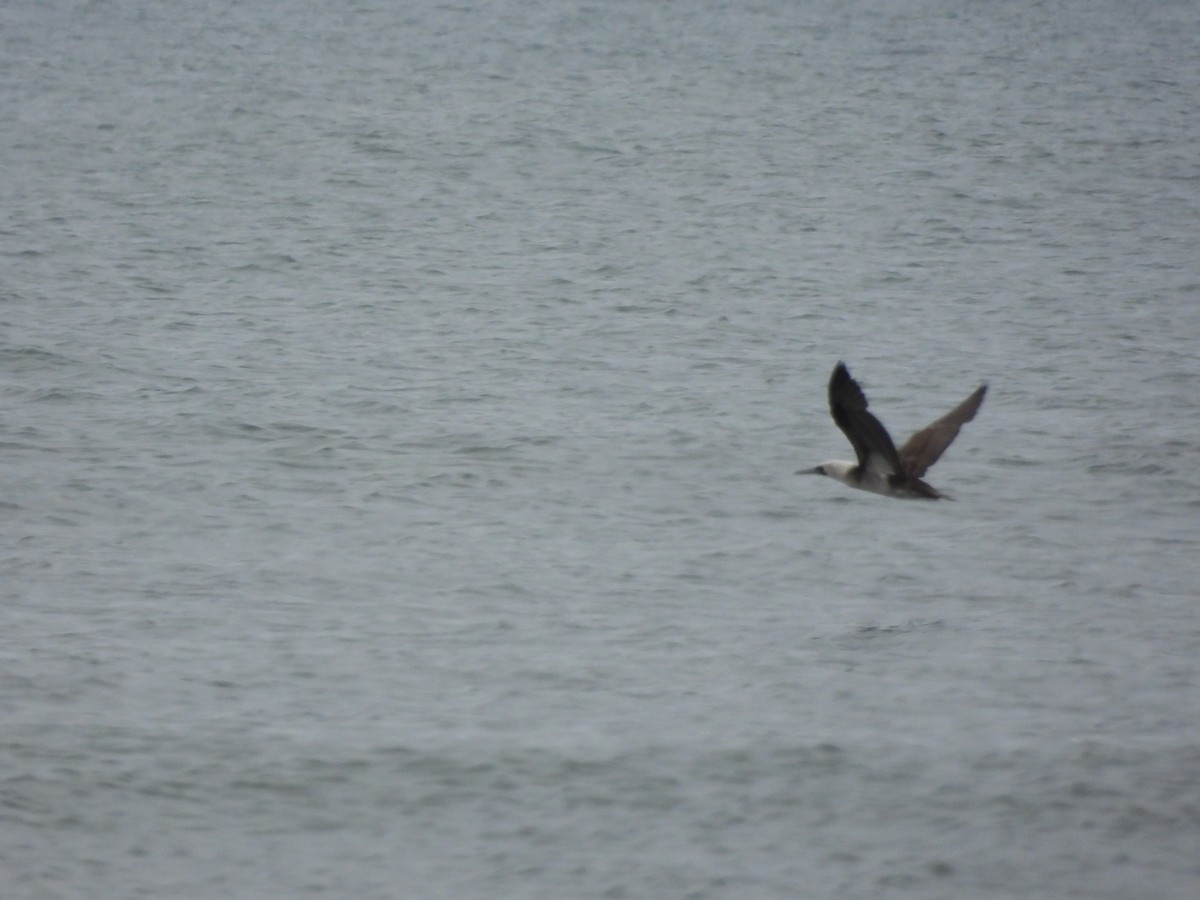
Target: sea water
(400, 410)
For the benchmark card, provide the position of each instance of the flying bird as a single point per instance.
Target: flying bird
(881, 468)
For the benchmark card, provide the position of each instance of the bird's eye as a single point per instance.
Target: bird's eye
(820, 470)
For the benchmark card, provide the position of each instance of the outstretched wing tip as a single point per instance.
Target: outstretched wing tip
(925, 447)
(848, 404)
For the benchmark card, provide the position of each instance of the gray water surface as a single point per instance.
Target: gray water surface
(400, 406)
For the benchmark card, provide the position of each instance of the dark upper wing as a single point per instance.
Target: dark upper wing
(870, 439)
(923, 449)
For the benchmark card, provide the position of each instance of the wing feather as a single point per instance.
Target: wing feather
(872, 444)
(925, 447)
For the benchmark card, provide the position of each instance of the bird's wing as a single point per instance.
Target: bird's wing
(924, 448)
(872, 444)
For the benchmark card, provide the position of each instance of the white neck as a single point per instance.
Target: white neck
(840, 469)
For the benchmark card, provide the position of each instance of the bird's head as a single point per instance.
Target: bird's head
(838, 469)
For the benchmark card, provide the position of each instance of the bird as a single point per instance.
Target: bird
(881, 468)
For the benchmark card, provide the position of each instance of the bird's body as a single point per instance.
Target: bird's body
(881, 468)
(849, 473)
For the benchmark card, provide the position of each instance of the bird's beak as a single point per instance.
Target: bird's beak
(816, 471)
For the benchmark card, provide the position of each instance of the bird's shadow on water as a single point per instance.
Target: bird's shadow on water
(875, 631)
